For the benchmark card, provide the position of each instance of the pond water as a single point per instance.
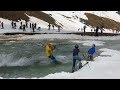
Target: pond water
(27, 58)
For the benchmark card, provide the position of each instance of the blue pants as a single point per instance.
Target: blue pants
(74, 61)
(53, 58)
(76, 58)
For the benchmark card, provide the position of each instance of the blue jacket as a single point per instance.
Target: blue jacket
(91, 51)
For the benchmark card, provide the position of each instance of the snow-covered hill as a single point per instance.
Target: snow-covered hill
(71, 19)
(68, 20)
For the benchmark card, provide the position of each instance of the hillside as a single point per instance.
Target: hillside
(110, 20)
(68, 20)
(94, 20)
(18, 15)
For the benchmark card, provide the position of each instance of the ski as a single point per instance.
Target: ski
(81, 67)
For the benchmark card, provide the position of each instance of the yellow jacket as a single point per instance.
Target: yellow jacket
(48, 51)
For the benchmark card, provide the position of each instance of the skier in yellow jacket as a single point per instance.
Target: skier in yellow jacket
(49, 54)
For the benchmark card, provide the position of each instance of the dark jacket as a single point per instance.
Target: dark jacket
(75, 52)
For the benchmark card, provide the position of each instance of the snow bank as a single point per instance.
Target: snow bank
(89, 43)
(68, 36)
(104, 67)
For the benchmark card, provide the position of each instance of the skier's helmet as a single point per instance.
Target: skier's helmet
(76, 46)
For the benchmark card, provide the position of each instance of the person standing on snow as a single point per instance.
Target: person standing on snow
(91, 51)
(30, 25)
(102, 26)
(24, 27)
(53, 26)
(35, 25)
(97, 28)
(49, 26)
(26, 24)
(84, 28)
(12, 23)
(21, 23)
(76, 51)
(49, 54)
(59, 28)
(2, 24)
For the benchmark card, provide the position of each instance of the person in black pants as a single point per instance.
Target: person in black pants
(97, 28)
(24, 27)
(12, 24)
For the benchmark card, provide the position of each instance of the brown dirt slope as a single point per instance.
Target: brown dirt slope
(18, 15)
(95, 20)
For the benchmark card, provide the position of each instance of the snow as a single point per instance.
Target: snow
(71, 24)
(8, 27)
(68, 36)
(75, 24)
(104, 67)
(89, 42)
(40, 23)
(107, 14)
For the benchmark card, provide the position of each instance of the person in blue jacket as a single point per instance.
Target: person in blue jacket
(91, 51)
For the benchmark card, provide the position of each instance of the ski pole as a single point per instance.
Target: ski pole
(89, 66)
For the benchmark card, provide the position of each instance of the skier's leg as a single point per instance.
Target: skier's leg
(88, 57)
(91, 57)
(73, 67)
(54, 59)
(80, 63)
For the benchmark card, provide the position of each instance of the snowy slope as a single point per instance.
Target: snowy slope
(73, 23)
(69, 19)
(107, 14)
